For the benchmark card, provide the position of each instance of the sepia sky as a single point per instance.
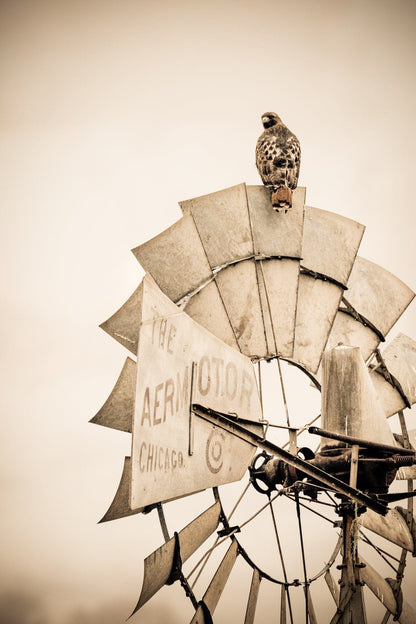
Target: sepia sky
(111, 112)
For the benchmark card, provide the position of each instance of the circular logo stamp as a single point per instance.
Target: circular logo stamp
(214, 451)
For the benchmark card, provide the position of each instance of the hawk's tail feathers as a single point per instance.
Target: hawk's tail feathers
(281, 198)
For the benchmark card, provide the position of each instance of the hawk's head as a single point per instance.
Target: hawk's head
(270, 119)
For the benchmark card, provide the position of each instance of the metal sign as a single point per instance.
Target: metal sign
(180, 363)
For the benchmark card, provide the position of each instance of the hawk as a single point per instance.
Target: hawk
(278, 160)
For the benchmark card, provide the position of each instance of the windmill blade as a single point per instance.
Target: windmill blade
(124, 324)
(159, 565)
(117, 412)
(252, 597)
(277, 238)
(350, 404)
(329, 247)
(207, 309)
(375, 301)
(176, 259)
(383, 591)
(223, 223)
(239, 291)
(378, 295)
(173, 453)
(392, 527)
(332, 586)
(216, 587)
(120, 506)
(311, 609)
(399, 357)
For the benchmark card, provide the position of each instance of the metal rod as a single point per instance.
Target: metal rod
(281, 560)
(366, 443)
(302, 548)
(312, 471)
(217, 538)
(283, 392)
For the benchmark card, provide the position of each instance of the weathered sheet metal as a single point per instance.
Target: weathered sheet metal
(332, 586)
(317, 305)
(376, 294)
(283, 605)
(383, 591)
(276, 233)
(392, 527)
(117, 412)
(120, 506)
(311, 608)
(400, 358)
(207, 309)
(164, 466)
(278, 236)
(176, 259)
(124, 324)
(280, 278)
(239, 291)
(158, 565)
(223, 224)
(252, 597)
(216, 587)
(349, 404)
(348, 331)
(389, 397)
(330, 243)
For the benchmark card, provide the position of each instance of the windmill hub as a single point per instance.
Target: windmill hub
(377, 468)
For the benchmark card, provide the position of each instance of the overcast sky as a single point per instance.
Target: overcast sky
(110, 113)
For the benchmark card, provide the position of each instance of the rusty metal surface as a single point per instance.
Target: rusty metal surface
(223, 223)
(175, 259)
(349, 403)
(124, 324)
(239, 291)
(216, 587)
(117, 412)
(158, 565)
(207, 309)
(392, 527)
(317, 305)
(400, 358)
(120, 506)
(252, 597)
(330, 243)
(382, 590)
(276, 233)
(280, 278)
(224, 379)
(377, 294)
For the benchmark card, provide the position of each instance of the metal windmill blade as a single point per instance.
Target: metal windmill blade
(230, 284)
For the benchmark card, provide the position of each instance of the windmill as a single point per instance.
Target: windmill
(228, 287)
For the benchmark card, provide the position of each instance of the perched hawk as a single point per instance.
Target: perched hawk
(278, 160)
